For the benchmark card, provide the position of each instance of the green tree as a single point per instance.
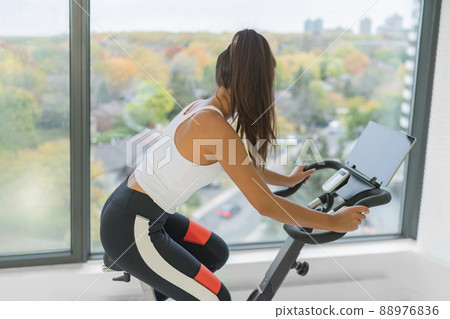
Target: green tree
(35, 197)
(355, 62)
(17, 71)
(388, 55)
(182, 81)
(208, 82)
(389, 111)
(334, 68)
(360, 112)
(103, 94)
(18, 114)
(51, 55)
(366, 83)
(150, 106)
(309, 103)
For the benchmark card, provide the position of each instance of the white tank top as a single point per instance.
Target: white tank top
(165, 175)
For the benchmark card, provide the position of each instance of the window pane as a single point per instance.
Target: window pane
(34, 126)
(330, 82)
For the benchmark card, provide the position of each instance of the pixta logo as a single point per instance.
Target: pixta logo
(148, 151)
(307, 152)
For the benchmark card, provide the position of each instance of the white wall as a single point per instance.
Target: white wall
(434, 226)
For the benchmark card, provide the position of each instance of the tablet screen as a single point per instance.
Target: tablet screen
(379, 152)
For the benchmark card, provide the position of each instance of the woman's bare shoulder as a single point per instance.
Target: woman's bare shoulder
(208, 122)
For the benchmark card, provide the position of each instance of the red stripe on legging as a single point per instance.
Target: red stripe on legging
(197, 233)
(206, 278)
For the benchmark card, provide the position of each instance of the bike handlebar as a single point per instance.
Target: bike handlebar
(370, 198)
(318, 166)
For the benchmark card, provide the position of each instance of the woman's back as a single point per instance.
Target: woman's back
(165, 174)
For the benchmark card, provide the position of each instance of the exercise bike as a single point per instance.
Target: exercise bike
(372, 163)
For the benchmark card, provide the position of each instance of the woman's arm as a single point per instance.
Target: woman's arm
(273, 178)
(247, 179)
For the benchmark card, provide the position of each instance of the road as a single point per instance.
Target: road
(240, 227)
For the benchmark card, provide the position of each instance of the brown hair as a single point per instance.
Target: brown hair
(247, 69)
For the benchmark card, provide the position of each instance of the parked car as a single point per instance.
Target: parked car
(228, 209)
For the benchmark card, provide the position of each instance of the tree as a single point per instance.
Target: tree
(35, 195)
(295, 61)
(280, 76)
(21, 74)
(355, 62)
(309, 101)
(119, 71)
(172, 50)
(154, 64)
(208, 83)
(18, 114)
(334, 68)
(284, 126)
(182, 80)
(51, 55)
(360, 112)
(388, 55)
(150, 106)
(366, 83)
(389, 111)
(201, 58)
(104, 94)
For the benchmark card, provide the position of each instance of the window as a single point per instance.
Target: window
(70, 96)
(34, 127)
(326, 90)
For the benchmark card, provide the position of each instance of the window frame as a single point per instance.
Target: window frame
(79, 150)
(80, 141)
(420, 115)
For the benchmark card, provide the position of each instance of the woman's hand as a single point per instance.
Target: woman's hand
(298, 175)
(348, 218)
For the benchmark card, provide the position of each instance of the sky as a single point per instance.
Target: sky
(49, 17)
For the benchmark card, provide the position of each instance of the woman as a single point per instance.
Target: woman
(140, 228)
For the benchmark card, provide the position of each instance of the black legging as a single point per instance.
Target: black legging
(170, 252)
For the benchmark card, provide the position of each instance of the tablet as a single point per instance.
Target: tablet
(379, 152)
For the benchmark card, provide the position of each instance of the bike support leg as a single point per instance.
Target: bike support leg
(278, 270)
